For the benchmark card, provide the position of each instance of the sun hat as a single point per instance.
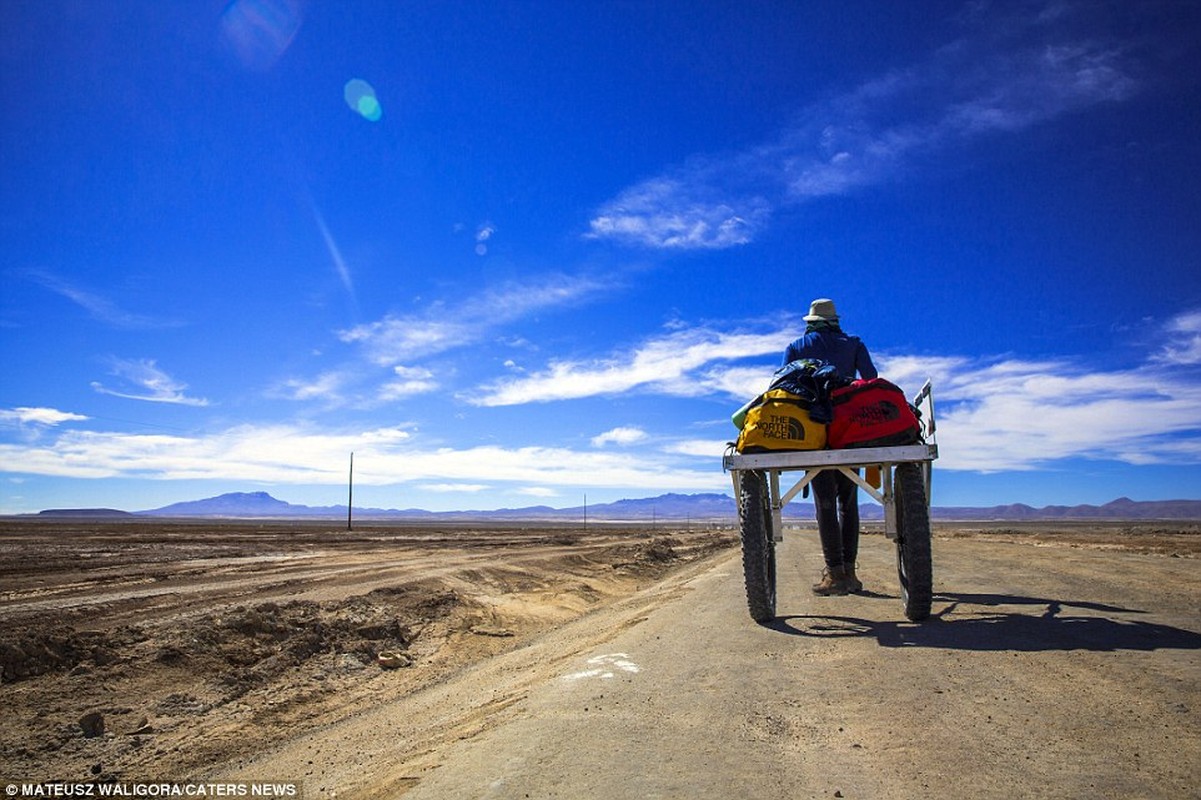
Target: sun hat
(822, 309)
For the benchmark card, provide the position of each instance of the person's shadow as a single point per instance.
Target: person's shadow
(1053, 629)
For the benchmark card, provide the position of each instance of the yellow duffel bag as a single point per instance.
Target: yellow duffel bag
(779, 420)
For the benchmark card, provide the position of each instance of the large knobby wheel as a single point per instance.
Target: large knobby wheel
(913, 541)
(758, 545)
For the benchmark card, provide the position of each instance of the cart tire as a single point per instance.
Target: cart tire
(758, 545)
(914, 565)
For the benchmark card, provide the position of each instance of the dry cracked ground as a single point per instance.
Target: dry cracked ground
(402, 659)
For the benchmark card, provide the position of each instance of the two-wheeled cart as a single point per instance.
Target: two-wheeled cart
(903, 490)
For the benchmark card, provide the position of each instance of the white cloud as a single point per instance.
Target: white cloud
(739, 382)
(394, 339)
(347, 387)
(1020, 415)
(324, 387)
(538, 491)
(993, 414)
(620, 436)
(454, 488)
(39, 416)
(155, 385)
(410, 381)
(667, 213)
(99, 307)
(911, 372)
(666, 365)
(996, 414)
(397, 342)
(385, 456)
(998, 83)
(702, 448)
(407, 338)
(1184, 340)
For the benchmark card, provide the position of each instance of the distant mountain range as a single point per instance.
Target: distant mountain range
(260, 505)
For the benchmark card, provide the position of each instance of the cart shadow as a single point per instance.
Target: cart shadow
(979, 627)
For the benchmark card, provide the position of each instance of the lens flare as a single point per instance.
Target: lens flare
(259, 31)
(360, 96)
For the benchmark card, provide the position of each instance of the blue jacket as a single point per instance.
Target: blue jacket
(847, 353)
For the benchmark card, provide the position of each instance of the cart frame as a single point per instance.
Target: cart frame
(847, 461)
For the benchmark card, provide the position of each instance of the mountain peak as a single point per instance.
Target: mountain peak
(228, 504)
(666, 506)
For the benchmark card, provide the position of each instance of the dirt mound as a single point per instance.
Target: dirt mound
(125, 664)
(29, 652)
(248, 645)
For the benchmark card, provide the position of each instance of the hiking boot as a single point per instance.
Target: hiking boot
(834, 581)
(854, 585)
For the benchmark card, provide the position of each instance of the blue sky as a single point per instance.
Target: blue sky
(515, 253)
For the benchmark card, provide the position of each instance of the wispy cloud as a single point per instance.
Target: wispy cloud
(670, 364)
(683, 211)
(994, 414)
(1017, 415)
(1183, 333)
(99, 307)
(408, 381)
(356, 387)
(624, 435)
(150, 383)
(403, 339)
(995, 83)
(39, 416)
(538, 491)
(1006, 414)
(335, 254)
(454, 488)
(326, 387)
(400, 343)
(385, 456)
(701, 448)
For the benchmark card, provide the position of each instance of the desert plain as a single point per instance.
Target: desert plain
(1061, 660)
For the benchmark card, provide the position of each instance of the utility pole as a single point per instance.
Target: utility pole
(350, 494)
(585, 512)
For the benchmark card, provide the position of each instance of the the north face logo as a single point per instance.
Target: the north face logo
(795, 429)
(876, 414)
(779, 426)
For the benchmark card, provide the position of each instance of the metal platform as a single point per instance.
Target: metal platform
(849, 462)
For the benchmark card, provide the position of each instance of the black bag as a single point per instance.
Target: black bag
(813, 380)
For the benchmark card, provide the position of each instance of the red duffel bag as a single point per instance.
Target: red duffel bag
(872, 413)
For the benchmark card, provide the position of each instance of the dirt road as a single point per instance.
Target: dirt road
(1048, 672)
(1057, 664)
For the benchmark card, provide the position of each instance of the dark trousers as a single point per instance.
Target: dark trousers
(836, 503)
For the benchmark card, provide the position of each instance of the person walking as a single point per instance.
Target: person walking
(835, 496)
